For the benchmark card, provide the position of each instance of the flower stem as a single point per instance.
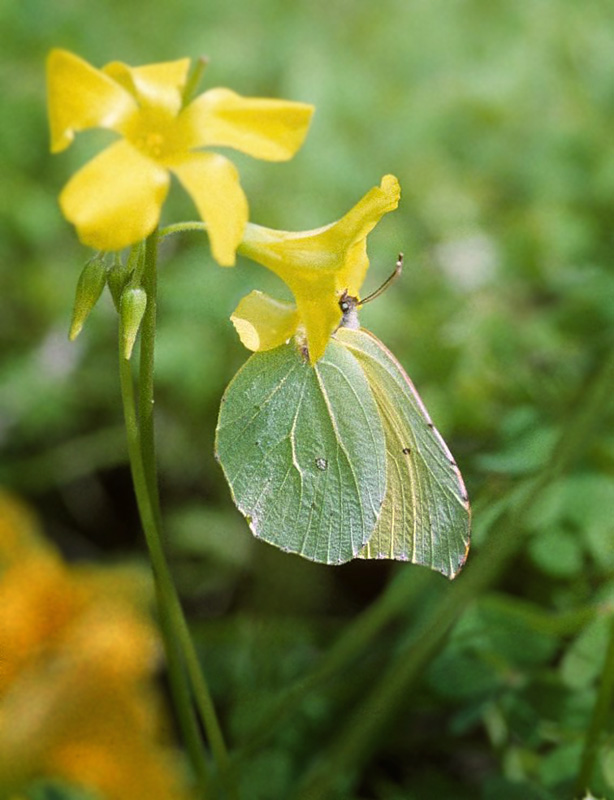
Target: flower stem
(164, 588)
(149, 282)
(599, 719)
(182, 701)
(182, 227)
(141, 448)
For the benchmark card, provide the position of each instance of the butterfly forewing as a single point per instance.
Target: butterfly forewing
(304, 451)
(425, 517)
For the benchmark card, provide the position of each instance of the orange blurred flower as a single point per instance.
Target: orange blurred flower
(77, 655)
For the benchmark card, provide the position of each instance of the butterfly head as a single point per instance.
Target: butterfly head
(349, 309)
(349, 305)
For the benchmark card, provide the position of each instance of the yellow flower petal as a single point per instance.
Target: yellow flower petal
(115, 200)
(268, 129)
(213, 183)
(318, 306)
(158, 85)
(81, 97)
(319, 265)
(358, 223)
(263, 322)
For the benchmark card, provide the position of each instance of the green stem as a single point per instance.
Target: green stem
(599, 719)
(146, 478)
(182, 702)
(360, 734)
(149, 282)
(182, 227)
(204, 702)
(163, 583)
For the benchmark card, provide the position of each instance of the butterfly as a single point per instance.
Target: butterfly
(340, 459)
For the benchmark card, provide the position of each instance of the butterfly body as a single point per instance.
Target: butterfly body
(349, 309)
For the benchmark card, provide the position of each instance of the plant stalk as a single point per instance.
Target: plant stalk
(141, 448)
(163, 585)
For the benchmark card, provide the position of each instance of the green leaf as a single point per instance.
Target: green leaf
(559, 768)
(460, 676)
(303, 451)
(425, 517)
(583, 661)
(557, 552)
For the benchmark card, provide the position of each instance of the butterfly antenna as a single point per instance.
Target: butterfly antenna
(397, 271)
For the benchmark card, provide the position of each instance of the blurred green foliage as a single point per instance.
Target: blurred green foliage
(497, 118)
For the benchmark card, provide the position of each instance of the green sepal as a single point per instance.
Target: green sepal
(194, 80)
(89, 288)
(132, 307)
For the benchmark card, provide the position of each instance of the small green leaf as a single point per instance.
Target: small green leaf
(303, 450)
(583, 661)
(557, 552)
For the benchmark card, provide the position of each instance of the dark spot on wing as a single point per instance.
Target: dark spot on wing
(406, 450)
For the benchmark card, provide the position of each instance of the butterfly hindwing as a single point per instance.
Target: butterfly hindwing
(304, 452)
(425, 517)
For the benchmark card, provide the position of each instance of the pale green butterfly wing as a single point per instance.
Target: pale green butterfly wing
(304, 453)
(425, 518)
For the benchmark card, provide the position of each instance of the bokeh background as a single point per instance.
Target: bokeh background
(498, 119)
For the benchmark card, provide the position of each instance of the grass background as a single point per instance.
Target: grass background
(497, 119)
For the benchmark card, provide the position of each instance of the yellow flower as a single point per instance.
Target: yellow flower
(77, 659)
(318, 266)
(115, 200)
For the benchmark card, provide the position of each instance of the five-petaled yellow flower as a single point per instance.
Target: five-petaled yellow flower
(318, 266)
(115, 200)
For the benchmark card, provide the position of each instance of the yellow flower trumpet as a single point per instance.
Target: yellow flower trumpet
(115, 200)
(318, 266)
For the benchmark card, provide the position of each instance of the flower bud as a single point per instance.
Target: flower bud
(117, 279)
(89, 288)
(131, 310)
